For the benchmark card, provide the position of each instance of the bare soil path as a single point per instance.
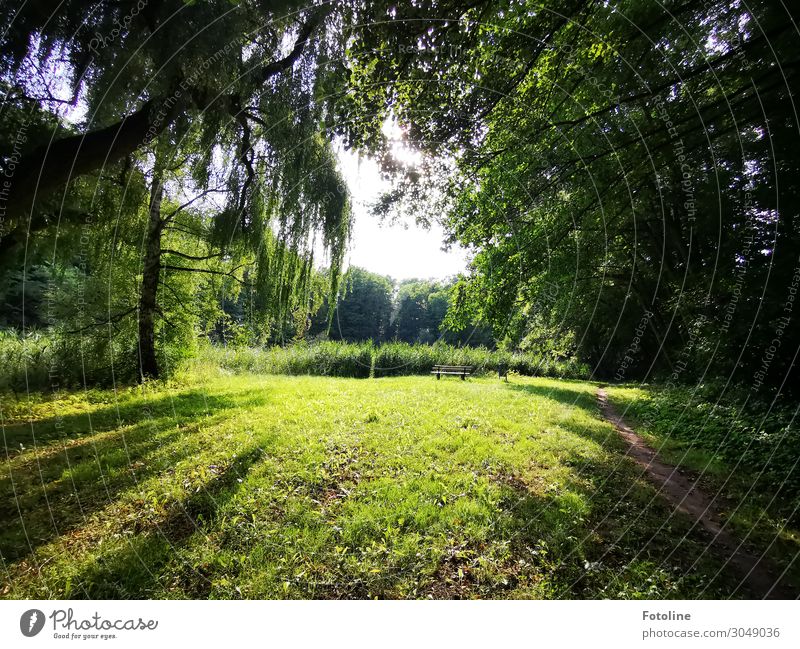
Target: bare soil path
(761, 577)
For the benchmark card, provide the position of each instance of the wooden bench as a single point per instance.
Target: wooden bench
(453, 370)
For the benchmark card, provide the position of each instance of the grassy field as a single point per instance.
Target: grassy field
(313, 487)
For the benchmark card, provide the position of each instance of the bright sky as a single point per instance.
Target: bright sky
(395, 250)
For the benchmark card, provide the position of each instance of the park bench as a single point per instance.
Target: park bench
(453, 370)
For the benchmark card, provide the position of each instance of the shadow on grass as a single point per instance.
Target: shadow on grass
(589, 536)
(576, 541)
(59, 486)
(44, 432)
(632, 512)
(609, 549)
(567, 394)
(134, 570)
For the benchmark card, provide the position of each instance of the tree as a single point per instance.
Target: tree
(626, 172)
(421, 316)
(363, 310)
(218, 101)
(116, 56)
(414, 321)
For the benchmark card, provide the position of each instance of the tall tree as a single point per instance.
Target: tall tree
(624, 170)
(212, 87)
(363, 310)
(150, 276)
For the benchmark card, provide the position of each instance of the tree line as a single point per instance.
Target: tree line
(377, 308)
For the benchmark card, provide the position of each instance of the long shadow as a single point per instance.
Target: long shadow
(56, 490)
(541, 544)
(601, 554)
(57, 428)
(134, 570)
(629, 510)
(575, 397)
(567, 395)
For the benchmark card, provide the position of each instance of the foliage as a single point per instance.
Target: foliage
(727, 434)
(55, 360)
(422, 307)
(373, 307)
(362, 312)
(175, 164)
(397, 359)
(627, 172)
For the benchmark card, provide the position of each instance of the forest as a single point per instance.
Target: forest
(175, 225)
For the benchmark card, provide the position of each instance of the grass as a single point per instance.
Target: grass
(745, 457)
(361, 360)
(315, 487)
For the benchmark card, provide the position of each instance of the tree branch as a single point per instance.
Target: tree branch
(186, 229)
(681, 80)
(167, 251)
(270, 70)
(44, 169)
(51, 165)
(183, 206)
(112, 319)
(178, 298)
(208, 271)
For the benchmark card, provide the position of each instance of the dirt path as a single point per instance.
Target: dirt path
(685, 496)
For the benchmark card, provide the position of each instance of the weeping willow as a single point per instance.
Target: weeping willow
(202, 95)
(297, 205)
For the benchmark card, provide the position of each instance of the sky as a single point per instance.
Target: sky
(401, 251)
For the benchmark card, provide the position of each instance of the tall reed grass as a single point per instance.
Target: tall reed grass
(53, 361)
(361, 360)
(324, 358)
(47, 361)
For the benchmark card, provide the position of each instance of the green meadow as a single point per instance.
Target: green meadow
(259, 486)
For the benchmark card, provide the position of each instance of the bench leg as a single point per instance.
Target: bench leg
(438, 376)
(463, 377)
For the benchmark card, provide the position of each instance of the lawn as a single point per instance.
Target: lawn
(312, 487)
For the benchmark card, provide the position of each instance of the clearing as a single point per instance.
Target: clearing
(313, 487)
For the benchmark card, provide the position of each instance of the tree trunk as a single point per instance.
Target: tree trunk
(148, 364)
(50, 166)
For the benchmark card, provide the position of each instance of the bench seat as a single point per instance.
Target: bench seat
(452, 370)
